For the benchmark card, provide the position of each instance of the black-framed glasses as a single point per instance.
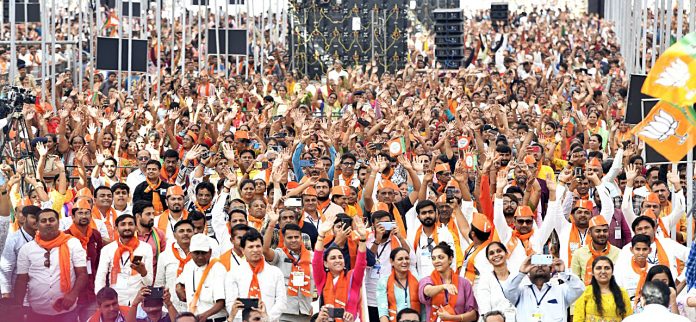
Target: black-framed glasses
(525, 221)
(143, 158)
(47, 259)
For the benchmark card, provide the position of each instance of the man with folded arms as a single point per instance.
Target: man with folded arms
(54, 267)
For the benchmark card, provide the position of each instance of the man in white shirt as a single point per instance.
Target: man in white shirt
(125, 264)
(138, 175)
(541, 300)
(108, 167)
(256, 279)
(655, 298)
(54, 267)
(628, 270)
(199, 283)
(425, 238)
(234, 257)
(172, 261)
(121, 195)
(175, 212)
(14, 242)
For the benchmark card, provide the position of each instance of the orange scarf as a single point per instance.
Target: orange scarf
(588, 265)
(439, 300)
(163, 221)
(182, 261)
(226, 259)
(164, 176)
(336, 295)
(299, 266)
(63, 257)
(254, 288)
(524, 238)
(470, 272)
(416, 241)
(83, 238)
(661, 254)
(457, 245)
(108, 219)
(255, 222)
(575, 239)
(193, 306)
(643, 273)
(412, 284)
(200, 208)
(122, 248)
(152, 187)
(96, 317)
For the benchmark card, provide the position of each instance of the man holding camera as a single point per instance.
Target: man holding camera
(152, 300)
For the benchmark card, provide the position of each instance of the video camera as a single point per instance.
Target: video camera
(12, 98)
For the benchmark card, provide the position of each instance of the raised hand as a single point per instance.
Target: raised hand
(327, 224)
(100, 158)
(405, 162)
(501, 180)
(41, 148)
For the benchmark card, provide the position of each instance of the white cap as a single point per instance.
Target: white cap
(199, 243)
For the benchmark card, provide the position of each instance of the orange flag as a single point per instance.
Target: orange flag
(668, 129)
(672, 78)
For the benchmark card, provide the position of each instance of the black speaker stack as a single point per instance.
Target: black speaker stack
(449, 37)
(499, 12)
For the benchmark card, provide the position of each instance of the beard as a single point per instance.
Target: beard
(148, 224)
(507, 212)
(428, 222)
(322, 198)
(521, 180)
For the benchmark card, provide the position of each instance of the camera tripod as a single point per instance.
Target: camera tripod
(16, 147)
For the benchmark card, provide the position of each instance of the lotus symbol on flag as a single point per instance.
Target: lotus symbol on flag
(662, 127)
(676, 75)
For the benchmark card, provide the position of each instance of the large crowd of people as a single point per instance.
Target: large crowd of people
(507, 190)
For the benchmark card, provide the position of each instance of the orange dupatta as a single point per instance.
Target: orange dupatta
(254, 288)
(182, 261)
(595, 254)
(128, 247)
(411, 284)
(643, 273)
(336, 295)
(108, 219)
(470, 272)
(63, 257)
(152, 187)
(516, 238)
(163, 221)
(575, 239)
(439, 300)
(193, 306)
(302, 265)
(419, 232)
(164, 176)
(83, 238)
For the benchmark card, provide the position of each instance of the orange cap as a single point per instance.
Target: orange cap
(524, 211)
(653, 197)
(239, 135)
(340, 191)
(387, 184)
(310, 191)
(293, 185)
(175, 191)
(584, 204)
(442, 167)
(529, 159)
(650, 213)
(481, 223)
(84, 192)
(193, 135)
(597, 221)
(594, 162)
(82, 203)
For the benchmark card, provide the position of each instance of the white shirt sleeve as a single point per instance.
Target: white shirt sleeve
(280, 296)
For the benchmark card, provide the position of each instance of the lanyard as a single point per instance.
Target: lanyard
(538, 301)
(234, 257)
(498, 280)
(405, 288)
(379, 253)
(21, 230)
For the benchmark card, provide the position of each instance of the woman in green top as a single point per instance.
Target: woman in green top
(603, 300)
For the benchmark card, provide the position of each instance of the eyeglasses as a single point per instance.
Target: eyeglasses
(47, 256)
(349, 164)
(143, 158)
(525, 221)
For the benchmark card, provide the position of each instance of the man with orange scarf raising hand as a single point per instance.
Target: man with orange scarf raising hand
(153, 189)
(54, 268)
(127, 263)
(199, 283)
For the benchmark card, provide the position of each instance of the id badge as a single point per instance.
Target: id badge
(617, 233)
(89, 266)
(574, 247)
(298, 279)
(537, 315)
(374, 272)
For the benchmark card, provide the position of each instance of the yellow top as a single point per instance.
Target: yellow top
(586, 307)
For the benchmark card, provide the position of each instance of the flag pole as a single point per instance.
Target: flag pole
(689, 197)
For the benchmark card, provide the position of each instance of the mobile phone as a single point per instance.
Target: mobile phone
(293, 202)
(137, 259)
(347, 222)
(335, 312)
(449, 192)
(578, 172)
(261, 165)
(363, 122)
(306, 163)
(542, 259)
(155, 293)
(377, 146)
(388, 225)
(249, 303)
(534, 149)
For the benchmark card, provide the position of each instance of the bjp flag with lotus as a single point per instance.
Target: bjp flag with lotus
(669, 130)
(673, 77)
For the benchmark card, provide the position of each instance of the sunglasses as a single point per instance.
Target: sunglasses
(143, 158)
(525, 221)
(47, 261)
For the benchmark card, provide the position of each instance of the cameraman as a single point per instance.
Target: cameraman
(152, 306)
(24, 79)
